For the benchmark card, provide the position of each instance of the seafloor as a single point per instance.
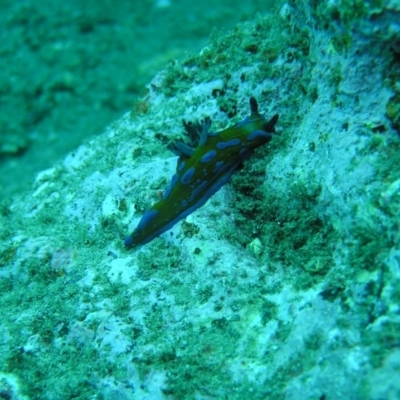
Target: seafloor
(68, 68)
(284, 285)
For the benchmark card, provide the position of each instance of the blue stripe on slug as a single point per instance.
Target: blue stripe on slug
(218, 166)
(187, 176)
(197, 190)
(208, 156)
(256, 134)
(148, 216)
(128, 242)
(242, 123)
(229, 143)
(171, 185)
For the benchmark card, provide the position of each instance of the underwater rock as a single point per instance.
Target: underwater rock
(194, 313)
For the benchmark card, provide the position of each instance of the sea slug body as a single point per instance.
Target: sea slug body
(201, 172)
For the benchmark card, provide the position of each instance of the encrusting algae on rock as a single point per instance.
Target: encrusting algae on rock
(284, 284)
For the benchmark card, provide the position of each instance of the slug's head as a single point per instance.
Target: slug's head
(268, 126)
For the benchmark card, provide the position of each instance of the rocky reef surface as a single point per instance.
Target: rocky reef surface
(285, 285)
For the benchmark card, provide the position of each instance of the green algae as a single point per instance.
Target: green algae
(292, 229)
(48, 320)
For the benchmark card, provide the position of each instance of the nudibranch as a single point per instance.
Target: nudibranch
(201, 172)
